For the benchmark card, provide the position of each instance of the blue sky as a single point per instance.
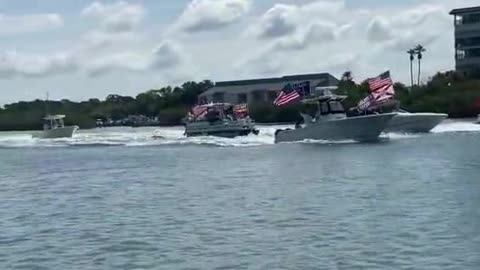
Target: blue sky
(82, 49)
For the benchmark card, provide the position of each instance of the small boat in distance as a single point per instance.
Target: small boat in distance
(219, 119)
(54, 127)
(330, 122)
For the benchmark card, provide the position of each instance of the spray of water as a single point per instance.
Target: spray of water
(174, 136)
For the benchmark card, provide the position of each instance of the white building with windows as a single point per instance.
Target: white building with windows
(262, 90)
(467, 40)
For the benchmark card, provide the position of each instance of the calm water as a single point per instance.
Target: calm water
(117, 199)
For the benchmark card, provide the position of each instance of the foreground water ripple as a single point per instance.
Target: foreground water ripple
(410, 202)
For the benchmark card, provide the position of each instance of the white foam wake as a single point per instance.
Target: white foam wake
(457, 126)
(134, 137)
(125, 136)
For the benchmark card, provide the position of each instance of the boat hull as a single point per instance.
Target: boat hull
(361, 128)
(414, 122)
(63, 132)
(226, 129)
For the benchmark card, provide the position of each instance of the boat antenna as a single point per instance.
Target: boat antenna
(46, 105)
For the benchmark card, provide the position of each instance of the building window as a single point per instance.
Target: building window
(471, 18)
(258, 95)
(219, 97)
(472, 53)
(242, 98)
(458, 20)
(272, 95)
(466, 42)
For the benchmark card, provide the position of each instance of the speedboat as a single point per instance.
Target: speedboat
(406, 122)
(219, 119)
(330, 122)
(54, 127)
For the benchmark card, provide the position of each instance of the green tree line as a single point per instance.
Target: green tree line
(169, 104)
(449, 92)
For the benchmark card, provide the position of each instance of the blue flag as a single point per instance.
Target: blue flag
(302, 88)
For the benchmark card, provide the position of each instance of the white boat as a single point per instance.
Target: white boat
(331, 123)
(406, 122)
(54, 127)
(219, 119)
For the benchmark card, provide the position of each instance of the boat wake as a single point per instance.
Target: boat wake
(133, 137)
(456, 126)
(174, 136)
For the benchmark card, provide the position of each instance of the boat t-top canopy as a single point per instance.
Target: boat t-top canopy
(317, 99)
(324, 95)
(215, 105)
(54, 117)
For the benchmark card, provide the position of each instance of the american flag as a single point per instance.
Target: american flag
(287, 96)
(240, 110)
(199, 111)
(384, 93)
(381, 87)
(380, 82)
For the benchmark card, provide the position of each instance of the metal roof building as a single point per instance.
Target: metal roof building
(262, 90)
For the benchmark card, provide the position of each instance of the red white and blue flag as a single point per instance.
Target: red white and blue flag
(382, 86)
(381, 89)
(199, 111)
(240, 110)
(292, 93)
(302, 88)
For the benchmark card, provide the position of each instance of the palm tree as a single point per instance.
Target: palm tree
(347, 76)
(419, 50)
(412, 53)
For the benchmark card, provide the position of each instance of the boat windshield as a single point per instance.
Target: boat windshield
(332, 106)
(336, 107)
(52, 123)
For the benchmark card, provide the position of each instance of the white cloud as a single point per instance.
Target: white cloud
(116, 17)
(279, 21)
(329, 36)
(131, 61)
(13, 64)
(94, 61)
(319, 33)
(205, 15)
(379, 29)
(286, 19)
(166, 55)
(423, 24)
(13, 24)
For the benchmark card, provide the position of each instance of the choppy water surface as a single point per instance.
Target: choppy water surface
(120, 199)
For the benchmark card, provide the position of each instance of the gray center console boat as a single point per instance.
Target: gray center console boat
(326, 119)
